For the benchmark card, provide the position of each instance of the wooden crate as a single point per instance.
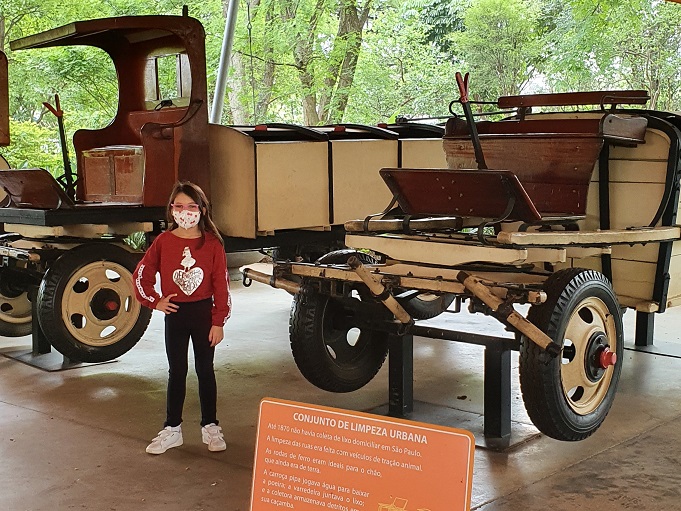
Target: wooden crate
(358, 189)
(258, 188)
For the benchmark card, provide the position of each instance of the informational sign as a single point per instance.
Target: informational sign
(312, 458)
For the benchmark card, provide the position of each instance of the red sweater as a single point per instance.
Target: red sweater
(191, 270)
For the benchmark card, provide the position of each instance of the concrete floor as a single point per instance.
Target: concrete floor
(75, 439)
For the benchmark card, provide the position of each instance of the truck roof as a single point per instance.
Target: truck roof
(105, 32)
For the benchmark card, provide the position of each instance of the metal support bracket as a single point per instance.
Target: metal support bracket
(497, 379)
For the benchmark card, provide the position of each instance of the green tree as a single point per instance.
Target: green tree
(501, 45)
(612, 44)
(33, 146)
(400, 72)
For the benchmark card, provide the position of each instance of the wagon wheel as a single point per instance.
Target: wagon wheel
(16, 312)
(568, 397)
(86, 304)
(329, 352)
(427, 305)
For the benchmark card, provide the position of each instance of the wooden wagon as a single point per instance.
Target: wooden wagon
(570, 210)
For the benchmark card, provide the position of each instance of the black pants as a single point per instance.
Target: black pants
(193, 319)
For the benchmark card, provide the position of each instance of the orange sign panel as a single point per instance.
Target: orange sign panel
(312, 458)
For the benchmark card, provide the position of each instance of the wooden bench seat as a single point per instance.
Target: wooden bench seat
(553, 160)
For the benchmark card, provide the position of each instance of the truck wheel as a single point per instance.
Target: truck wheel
(328, 351)
(568, 397)
(86, 304)
(426, 305)
(342, 256)
(16, 313)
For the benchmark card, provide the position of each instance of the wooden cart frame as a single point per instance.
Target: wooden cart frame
(519, 232)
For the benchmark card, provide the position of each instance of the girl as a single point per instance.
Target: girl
(195, 299)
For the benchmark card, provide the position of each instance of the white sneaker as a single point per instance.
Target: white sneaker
(170, 436)
(212, 435)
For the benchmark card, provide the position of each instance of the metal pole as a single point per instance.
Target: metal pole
(225, 56)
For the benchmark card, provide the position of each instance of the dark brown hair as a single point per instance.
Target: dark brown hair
(195, 193)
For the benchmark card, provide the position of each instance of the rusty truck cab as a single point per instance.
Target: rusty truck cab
(152, 141)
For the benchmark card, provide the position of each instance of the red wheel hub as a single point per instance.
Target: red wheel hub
(606, 358)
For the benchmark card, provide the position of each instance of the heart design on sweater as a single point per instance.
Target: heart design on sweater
(188, 281)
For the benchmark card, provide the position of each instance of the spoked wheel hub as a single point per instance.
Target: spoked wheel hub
(585, 380)
(598, 356)
(98, 305)
(569, 397)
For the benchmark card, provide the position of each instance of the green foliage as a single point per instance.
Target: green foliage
(614, 44)
(391, 77)
(297, 61)
(34, 146)
(500, 44)
(137, 241)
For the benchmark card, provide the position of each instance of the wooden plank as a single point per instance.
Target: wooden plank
(557, 184)
(232, 162)
(423, 153)
(457, 192)
(292, 185)
(397, 224)
(644, 253)
(79, 231)
(620, 97)
(590, 263)
(444, 252)
(635, 171)
(610, 237)
(358, 189)
(656, 147)
(639, 305)
(410, 277)
(634, 279)
(646, 197)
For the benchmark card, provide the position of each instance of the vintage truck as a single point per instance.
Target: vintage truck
(568, 203)
(65, 271)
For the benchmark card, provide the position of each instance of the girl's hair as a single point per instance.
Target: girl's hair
(195, 193)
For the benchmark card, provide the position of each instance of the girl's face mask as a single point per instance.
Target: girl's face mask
(187, 219)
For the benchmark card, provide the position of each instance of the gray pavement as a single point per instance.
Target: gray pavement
(75, 439)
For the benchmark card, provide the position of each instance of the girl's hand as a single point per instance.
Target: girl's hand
(215, 335)
(165, 305)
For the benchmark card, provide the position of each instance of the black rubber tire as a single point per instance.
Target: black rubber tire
(313, 338)
(19, 329)
(550, 407)
(419, 308)
(16, 315)
(51, 305)
(8, 329)
(342, 256)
